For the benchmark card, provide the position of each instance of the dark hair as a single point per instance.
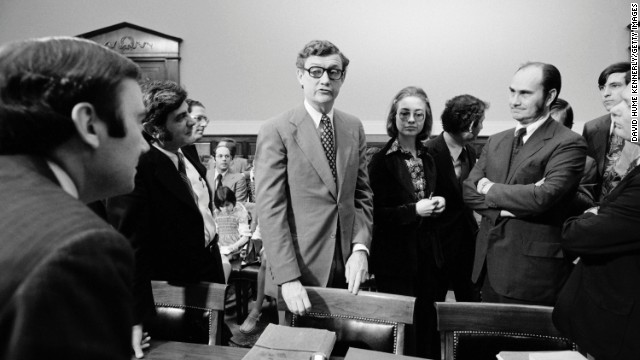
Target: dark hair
(160, 98)
(551, 78)
(563, 105)
(222, 195)
(620, 67)
(392, 129)
(320, 48)
(461, 111)
(191, 103)
(229, 144)
(41, 80)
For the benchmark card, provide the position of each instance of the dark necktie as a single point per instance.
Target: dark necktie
(464, 165)
(326, 138)
(517, 145)
(182, 170)
(610, 177)
(218, 181)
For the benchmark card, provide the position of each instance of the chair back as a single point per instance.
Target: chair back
(369, 320)
(481, 330)
(191, 313)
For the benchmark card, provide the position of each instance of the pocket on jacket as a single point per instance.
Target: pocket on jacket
(542, 249)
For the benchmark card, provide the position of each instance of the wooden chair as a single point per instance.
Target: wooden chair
(369, 320)
(191, 313)
(481, 330)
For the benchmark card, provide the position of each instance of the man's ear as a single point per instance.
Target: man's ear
(299, 74)
(551, 96)
(85, 119)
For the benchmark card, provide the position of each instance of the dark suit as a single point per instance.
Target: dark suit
(456, 226)
(599, 307)
(402, 253)
(65, 273)
(165, 227)
(234, 181)
(596, 133)
(523, 255)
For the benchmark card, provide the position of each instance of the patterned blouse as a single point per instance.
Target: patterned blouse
(414, 165)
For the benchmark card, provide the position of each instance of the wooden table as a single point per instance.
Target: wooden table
(171, 350)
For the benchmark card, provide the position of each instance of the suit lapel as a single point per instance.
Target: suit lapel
(306, 135)
(535, 142)
(398, 168)
(502, 149)
(345, 142)
(445, 162)
(601, 142)
(168, 176)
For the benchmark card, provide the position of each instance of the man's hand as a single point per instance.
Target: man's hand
(296, 298)
(356, 270)
(139, 340)
(483, 186)
(506, 213)
(593, 210)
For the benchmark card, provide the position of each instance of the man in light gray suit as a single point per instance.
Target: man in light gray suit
(314, 200)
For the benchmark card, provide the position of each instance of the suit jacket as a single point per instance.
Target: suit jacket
(165, 228)
(523, 255)
(596, 133)
(66, 274)
(598, 307)
(239, 165)
(401, 238)
(300, 204)
(234, 181)
(456, 226)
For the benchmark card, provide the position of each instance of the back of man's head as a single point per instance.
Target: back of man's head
(620, 67)
(41, 80)
(320, 48)
(160, 98)
(551, 78)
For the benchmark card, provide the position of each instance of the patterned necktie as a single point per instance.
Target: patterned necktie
(610, 177)
(326, 138)
(517, 145)
(182, 170)
(218, 181)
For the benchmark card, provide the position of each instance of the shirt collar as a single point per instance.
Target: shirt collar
(172, 156)
(530, 128)
(64, 179)
(395, 147)
(455, 149)
(316, 116)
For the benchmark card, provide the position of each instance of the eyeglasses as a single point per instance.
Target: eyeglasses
(316, 72)
(201, 118)
(406, 115)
